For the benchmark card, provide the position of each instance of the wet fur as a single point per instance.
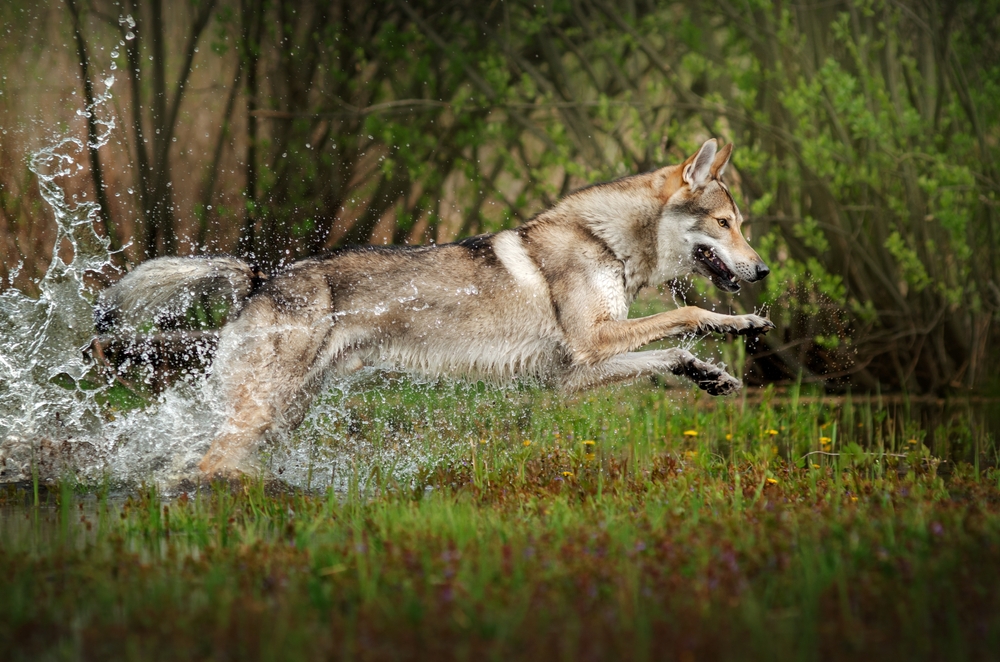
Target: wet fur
(548, 300)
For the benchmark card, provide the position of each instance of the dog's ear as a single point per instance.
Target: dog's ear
(721, 161)
(697, 169)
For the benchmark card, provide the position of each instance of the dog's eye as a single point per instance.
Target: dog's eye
(723, 222)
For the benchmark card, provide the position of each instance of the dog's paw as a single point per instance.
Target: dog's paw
(709, 378)
(753, 325)
(741, 325)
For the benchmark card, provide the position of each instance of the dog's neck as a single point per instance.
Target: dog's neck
(635, 225)
(675, 247)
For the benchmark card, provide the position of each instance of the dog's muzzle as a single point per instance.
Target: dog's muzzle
(762, 271)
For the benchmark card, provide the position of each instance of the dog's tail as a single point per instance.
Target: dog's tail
(164, 288)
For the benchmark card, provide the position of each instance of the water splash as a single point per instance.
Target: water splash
(45, 397)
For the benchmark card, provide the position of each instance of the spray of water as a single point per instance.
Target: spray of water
(45, 399)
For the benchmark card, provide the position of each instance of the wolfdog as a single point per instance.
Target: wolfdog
(547, 301)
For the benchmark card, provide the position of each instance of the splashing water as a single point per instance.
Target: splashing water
(44, 397)
(52, 424)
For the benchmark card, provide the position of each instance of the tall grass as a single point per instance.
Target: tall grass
(624, 524)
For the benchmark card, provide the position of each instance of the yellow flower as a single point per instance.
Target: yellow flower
(690, 433)
(729, 437)
(567, 474)
(912, 441)
(527, 442)
(825, 440)
(853, 499)
(690, 454)
(772, 481)
(483, 441)
(588, 442)
(816, 466)
(589, 457)
(772, 432)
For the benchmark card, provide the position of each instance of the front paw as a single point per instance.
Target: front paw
(741, 325)
(710, 378)
(753, 325)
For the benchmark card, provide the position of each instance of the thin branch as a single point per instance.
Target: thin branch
(213, 171)
(197, 28)
(95, 159)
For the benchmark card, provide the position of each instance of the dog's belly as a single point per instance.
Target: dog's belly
(480, 344)
(493, 359)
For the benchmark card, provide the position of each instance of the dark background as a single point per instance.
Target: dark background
(865, 131)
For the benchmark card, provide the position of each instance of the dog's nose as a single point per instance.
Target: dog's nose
(762, 271)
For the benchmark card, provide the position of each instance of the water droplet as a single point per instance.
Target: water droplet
(129, 35)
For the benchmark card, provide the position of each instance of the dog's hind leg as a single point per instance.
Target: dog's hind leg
(634, 365)
(266, 378)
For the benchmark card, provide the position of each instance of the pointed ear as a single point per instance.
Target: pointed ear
(721, 161)
(697, 169)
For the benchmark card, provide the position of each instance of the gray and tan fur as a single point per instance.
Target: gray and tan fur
(548, 300)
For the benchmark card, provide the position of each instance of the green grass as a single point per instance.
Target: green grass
(625, 524)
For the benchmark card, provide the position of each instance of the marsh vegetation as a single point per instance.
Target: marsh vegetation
(629, 523)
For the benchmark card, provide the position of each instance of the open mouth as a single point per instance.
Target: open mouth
(715, 269)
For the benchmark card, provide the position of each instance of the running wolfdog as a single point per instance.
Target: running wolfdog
(547, 300)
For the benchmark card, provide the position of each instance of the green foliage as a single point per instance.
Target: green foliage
(908, 261)
(877, 166)
(865, 131)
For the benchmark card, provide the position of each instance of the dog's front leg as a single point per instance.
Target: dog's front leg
(634, 365)
(741, 325)
(610, 338)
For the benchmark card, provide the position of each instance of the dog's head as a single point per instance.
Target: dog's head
(700, 225)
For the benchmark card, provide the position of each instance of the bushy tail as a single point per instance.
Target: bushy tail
(165, 288)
